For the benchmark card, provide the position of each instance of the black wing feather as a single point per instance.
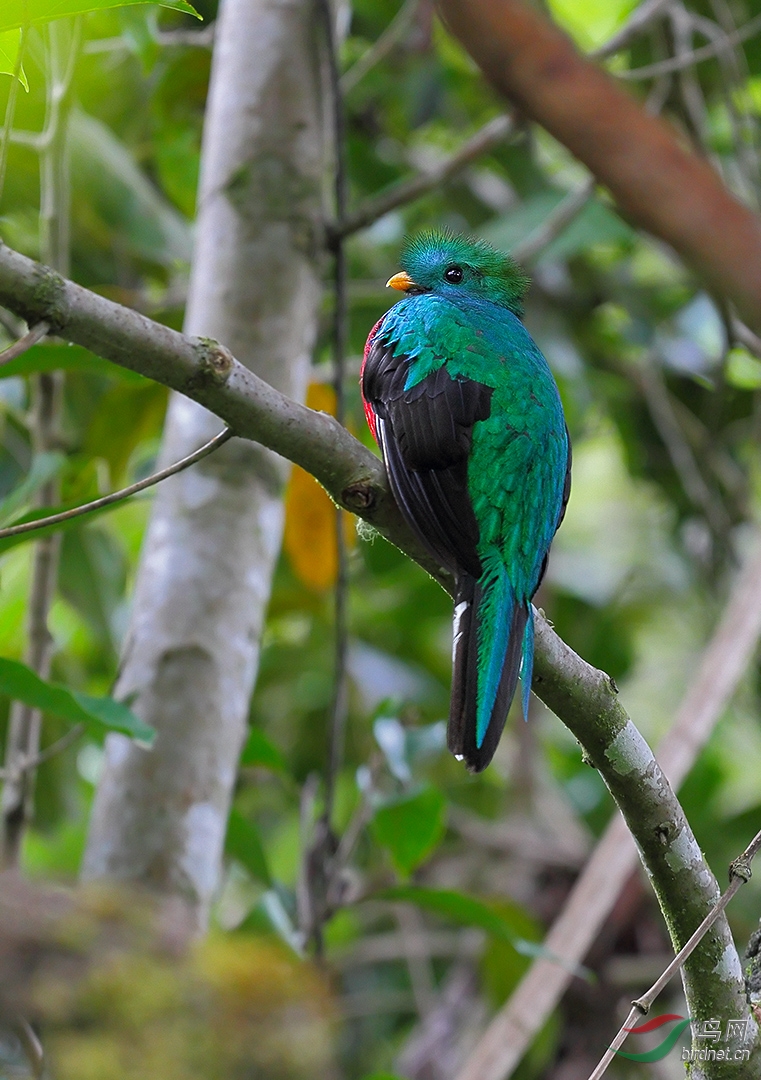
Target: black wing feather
(425, 435)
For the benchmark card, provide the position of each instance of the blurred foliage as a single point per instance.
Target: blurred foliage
(637, 575)
(122, 994)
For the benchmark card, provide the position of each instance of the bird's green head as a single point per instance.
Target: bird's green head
(453, 266)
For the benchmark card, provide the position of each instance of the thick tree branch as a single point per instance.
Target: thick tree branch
(656, 182)
(613, 861)
(739, 874)
(583, 698)
(206, 372)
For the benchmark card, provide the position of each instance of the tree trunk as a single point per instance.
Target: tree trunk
(191, 654)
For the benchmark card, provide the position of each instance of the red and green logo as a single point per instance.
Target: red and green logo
(659, 1052)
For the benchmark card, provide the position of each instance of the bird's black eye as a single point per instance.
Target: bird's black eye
(453, 274)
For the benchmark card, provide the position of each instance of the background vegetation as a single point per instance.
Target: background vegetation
(664, 409)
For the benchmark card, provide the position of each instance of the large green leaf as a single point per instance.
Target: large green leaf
(259, 751)
(469, 911)
(8, 542)
(112, 194)
(594, 224)
(457, 906)
(44, 467)
(244, 843)
(92, 575)
(410, 827)
(10, 41)
(15, 13)
(58, 356)
(20, 683)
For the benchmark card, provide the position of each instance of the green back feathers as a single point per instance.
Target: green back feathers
(487, 274)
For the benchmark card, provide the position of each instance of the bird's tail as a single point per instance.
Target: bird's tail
(493, 643)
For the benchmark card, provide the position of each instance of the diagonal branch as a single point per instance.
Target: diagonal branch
(613, 861)
(117, 496)
(739, 874)
(30, 338)
(689, 59)
(489, 136)
(205, 371)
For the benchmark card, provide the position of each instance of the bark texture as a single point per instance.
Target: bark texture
(191, 653)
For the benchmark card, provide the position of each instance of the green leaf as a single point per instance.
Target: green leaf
(92, 576)
(457, 906)
(410, 827)
(260, 751)
(119, 198)
(743, 370)
(270, 915)
(20, 683)
(15, 13)
(244, 843)
(10, 40)
(44, 467)
(594, 224)
(591, 22)
(383, 1076)
(54, 356)
(8, 542)
(468, 911)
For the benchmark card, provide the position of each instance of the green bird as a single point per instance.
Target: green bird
(469, 421)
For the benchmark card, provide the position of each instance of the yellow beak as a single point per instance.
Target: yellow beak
(401, 281)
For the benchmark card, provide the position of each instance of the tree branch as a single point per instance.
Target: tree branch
(689, 59)
(739, 874)
(489, 136)
(122, 494)
(205, 371)
(613, 861)
(582, 697)
(32, 337)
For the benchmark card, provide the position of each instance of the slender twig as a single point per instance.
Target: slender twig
(489, 136)
(658, 401)
(639, 20)
(707, 52)
(123, 493)
(350, 837)
(32, 337)
(730, 85)
(746, 337)
(27, 764)
(419, 966)
(339, 704)
(32, 1047)
(555, 222)
(382, 46)
(739, 874)
(200, 39)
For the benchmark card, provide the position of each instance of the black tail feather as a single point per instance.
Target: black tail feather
(461, 730)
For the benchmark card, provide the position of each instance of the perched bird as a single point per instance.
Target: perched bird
(469, 421)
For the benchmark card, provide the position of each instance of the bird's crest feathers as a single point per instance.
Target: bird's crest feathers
(490, 274)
